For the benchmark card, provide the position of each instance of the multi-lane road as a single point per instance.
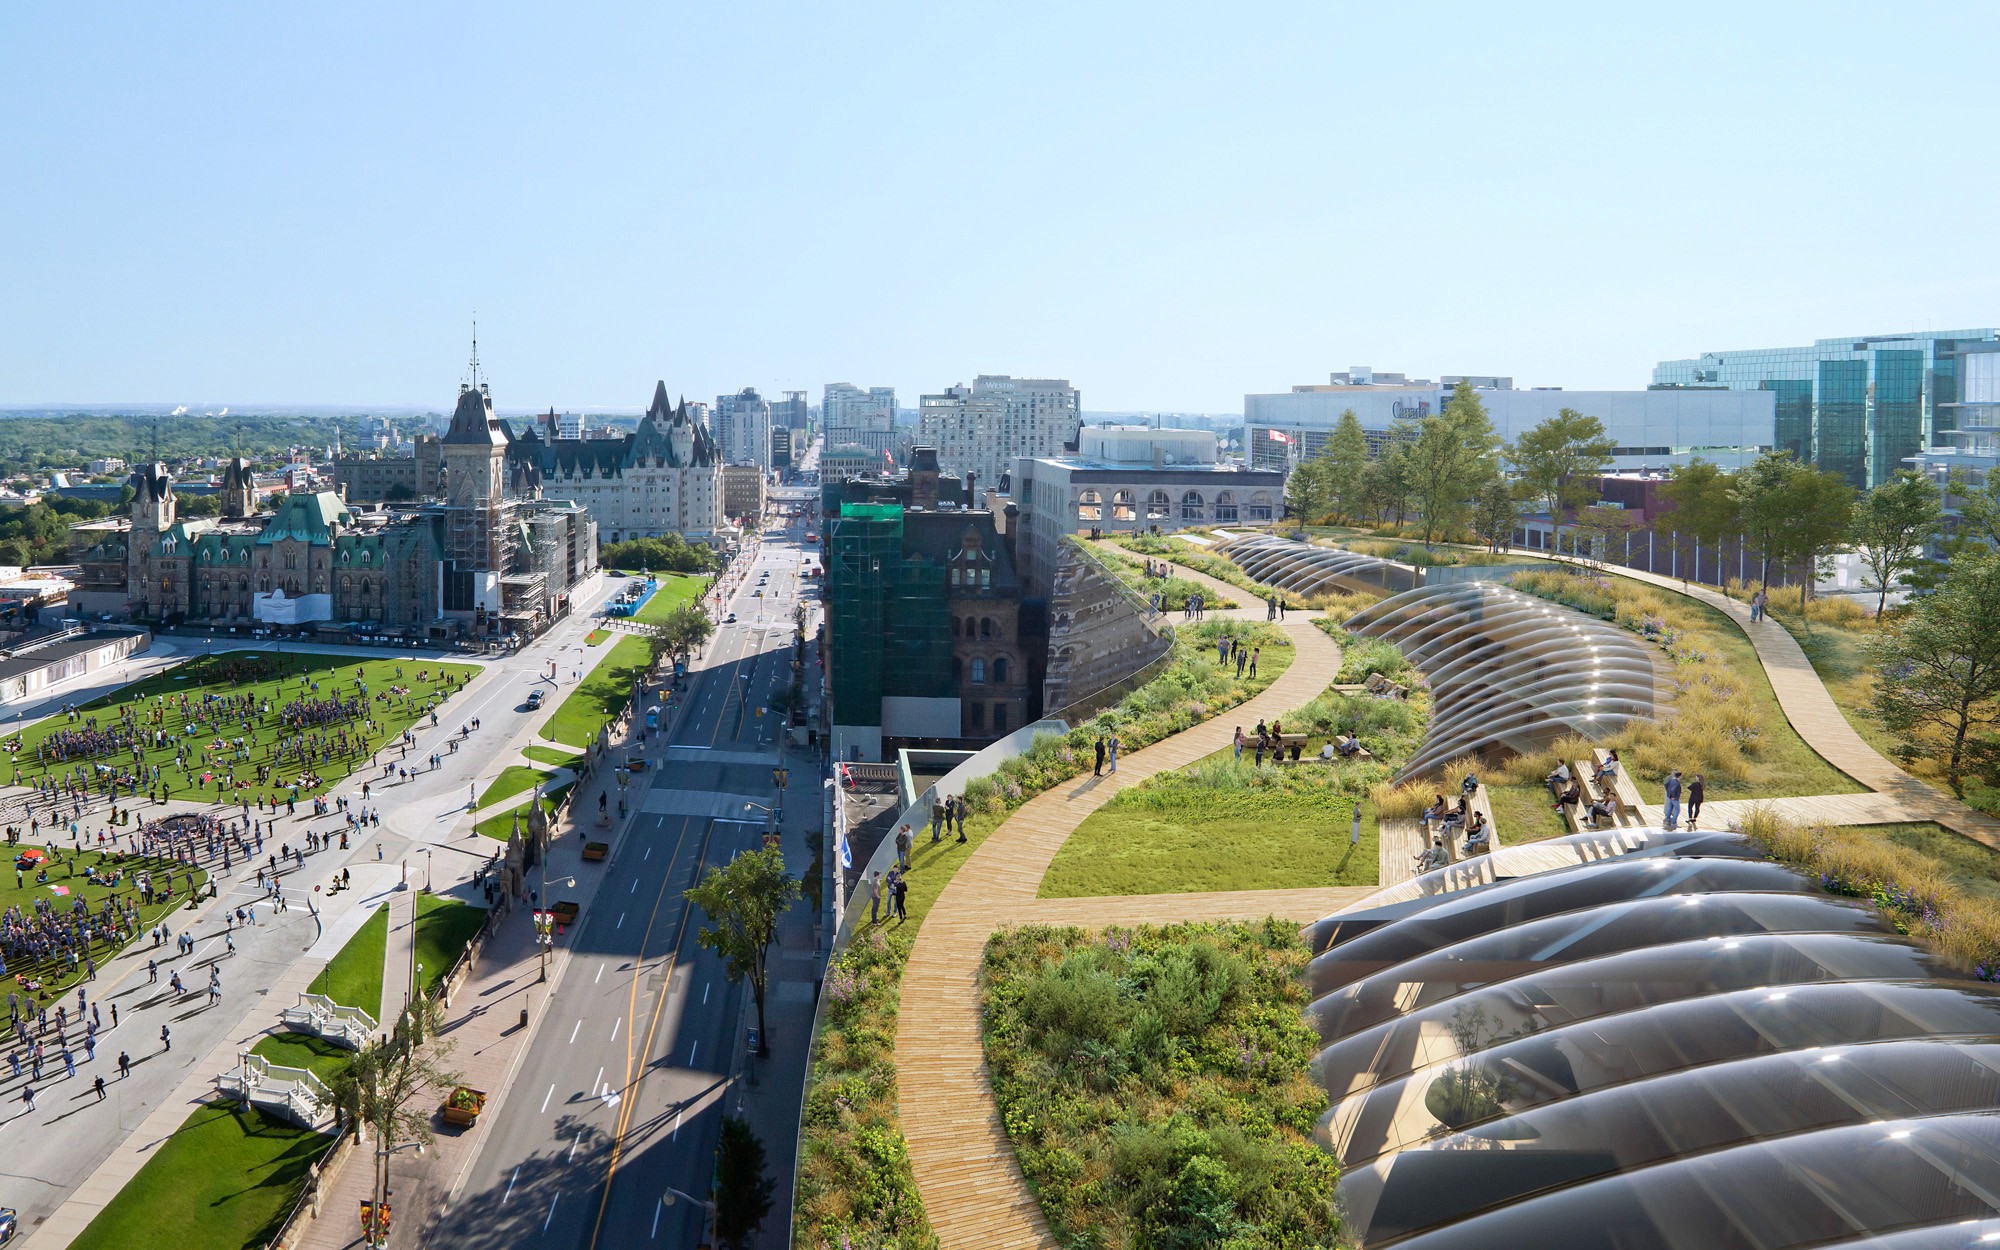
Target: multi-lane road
(619, 1098)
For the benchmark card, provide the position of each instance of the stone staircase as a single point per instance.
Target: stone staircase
(322, 1017)
(293, 1093)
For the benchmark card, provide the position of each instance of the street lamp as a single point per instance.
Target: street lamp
(707, 1208)
(779, 778)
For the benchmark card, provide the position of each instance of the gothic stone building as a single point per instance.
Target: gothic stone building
(663, 478)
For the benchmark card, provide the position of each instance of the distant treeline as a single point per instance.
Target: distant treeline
(40, 443)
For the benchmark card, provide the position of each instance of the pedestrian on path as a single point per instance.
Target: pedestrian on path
(875, 898)
(903, 848)
(1099, 771)
(124, 1065)
(1672, 787)
(1694, 796)
(1111, 752)
(1758, 602)
(98, 1084)
(28, 1096)
(166, 1038)
(1254, 653)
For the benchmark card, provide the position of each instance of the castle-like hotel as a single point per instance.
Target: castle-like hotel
(493, 532)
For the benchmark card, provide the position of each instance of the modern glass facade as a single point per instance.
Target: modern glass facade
(1860, 407)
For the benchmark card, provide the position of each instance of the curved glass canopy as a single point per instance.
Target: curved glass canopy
(1288, 564)
(1510, 671)
(1655, 1053)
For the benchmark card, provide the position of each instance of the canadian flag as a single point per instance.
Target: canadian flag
(1277, 437)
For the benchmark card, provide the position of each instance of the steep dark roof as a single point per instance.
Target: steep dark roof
(473, 420)
(236, 474)
(941, 536)
(654, 440)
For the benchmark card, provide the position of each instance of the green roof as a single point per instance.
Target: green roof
(306, 518)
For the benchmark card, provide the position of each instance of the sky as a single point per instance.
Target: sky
(1168, 205)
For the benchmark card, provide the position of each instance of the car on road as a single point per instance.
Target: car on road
(535, 698)
(730, 619)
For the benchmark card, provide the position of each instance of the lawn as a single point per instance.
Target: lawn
(303, 1050)
(224, 1180)
(550, 755)
(675, 589)
(353, 977)
(602, 694)
(514, 779)
(444, 927)
(1524, 813)
(596, 636)
(1724, 721)
(177, 702)
(500, 826)
(66, 871)
(1156, 1083)
(1132, 572)
(1971, 866)
(1217, 827)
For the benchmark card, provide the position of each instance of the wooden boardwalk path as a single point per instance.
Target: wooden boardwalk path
(965, 1168)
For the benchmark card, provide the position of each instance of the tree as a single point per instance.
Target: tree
(1704, 504)
(743, 902)
(1940, 666)
(1306, 493)
(1893, 525)
(393, 1085)
(1600, 526)
(192, 505)
(1761, 496)
(1346, 463)
(1818, 512)
(1978, 509)
(742, 1187)
(1559, 463)
(1450, 461)
(682, 632)
(1495, 514)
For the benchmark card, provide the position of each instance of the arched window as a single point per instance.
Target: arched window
(1225, 507)
(986, 627)
(1090, 506)
(971, 627)
(1122, 507)
(1191, 506)
(954, 575)
(1159, 507)
(978, 671)
(1000, 671)
(1260, 508)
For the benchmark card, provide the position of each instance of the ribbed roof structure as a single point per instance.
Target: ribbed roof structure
(1308, 570)
(1686, 1048)
(1510, 671)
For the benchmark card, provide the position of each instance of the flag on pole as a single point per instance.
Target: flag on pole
(1277, 436)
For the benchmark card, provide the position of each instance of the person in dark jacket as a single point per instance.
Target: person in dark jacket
(1694, 796)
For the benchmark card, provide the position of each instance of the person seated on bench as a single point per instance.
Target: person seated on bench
(1599, 811)
(1296, 747)
(1326, 752)
(1477, 835)
(1569, 798)
(1348, 745)
(1432, 856)
(1437, 810)
(1607, 772)
(1457, 815)
(1470, 785)
(1558, 781)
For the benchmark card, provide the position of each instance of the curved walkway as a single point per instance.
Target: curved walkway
(964, 1165)
(1819, 721)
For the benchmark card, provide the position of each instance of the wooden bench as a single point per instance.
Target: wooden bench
(1480, 801)
(1628, 789)
(1627, 809)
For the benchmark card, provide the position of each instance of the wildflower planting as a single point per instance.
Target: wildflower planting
(855, 1187)
(1155, 1083)
(1175, 591)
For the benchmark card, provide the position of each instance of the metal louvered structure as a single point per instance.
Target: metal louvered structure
(1509, 671)
(1682, 1049)
(1305, 569)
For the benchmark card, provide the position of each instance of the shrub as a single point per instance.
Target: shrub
(1156, 1084)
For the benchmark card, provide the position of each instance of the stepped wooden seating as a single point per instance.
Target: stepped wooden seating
(1628, 789)
(1625, 812)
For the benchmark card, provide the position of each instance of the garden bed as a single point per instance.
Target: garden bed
(1156, 1084)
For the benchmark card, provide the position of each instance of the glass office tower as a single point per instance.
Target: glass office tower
(1860, 407)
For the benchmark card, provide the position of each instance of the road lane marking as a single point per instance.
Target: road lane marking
(677, 1126)
(552, 1213)
(693, 1047)
(545, 1100)
(572, 1032)
(600, 975)
(510, 1184)
(657, 1208)
(705, 987)
(573, 1144)
(635, 886)
(648, 855)
(621, 921)
(614, 1027)
(599, 1081)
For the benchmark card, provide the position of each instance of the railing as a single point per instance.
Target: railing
(1079, 710)
(1139, 602)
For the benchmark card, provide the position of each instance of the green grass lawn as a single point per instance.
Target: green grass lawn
(1972, 866)
(444, 926)
(550, 755)
(596, 636)
(675, 589)
(268, 677)
(302, 1050)
(1524, 813)
(225, 1179)
(1199, 831)
(601, 695)
(353, 977)
(501, 825)
(67, 871)
(514, 779)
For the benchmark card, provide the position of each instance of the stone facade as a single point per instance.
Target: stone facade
(664, 478)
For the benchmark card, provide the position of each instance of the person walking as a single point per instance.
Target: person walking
(28, 1096)
(1758, 602)
(1254, 653)
(1694, 797)
(902, 891)
(124, 1065)
(98, 1085)
(1672, 787)
(166, 1038)
(903, 848)
(1099, 771)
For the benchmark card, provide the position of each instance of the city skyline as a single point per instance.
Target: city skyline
(310, 209)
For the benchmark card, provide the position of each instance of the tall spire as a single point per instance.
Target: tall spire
(472, 370)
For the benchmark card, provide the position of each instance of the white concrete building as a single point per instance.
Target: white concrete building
(857, 418)
(982, 429)
(742, 426)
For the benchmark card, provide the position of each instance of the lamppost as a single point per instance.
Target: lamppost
(668, 1198)
(779, 778)
(771, 834)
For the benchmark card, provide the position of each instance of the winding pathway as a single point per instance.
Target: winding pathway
(964, 1165)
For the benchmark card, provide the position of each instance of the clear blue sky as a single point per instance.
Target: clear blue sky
(1170, 206)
